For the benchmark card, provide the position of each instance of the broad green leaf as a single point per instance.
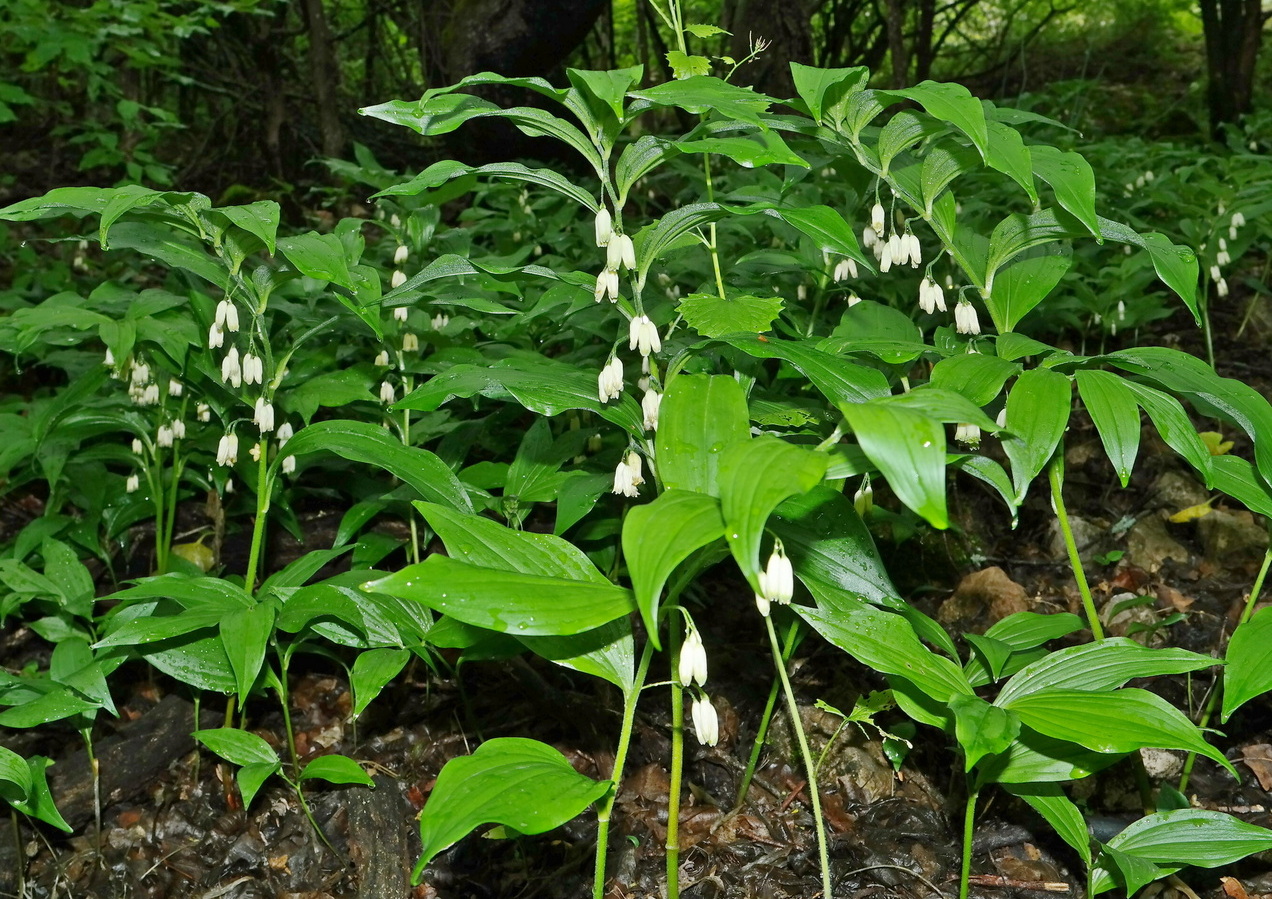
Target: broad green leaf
(878, 330)
(1173, 424)
(504, 601)
(827, 541)
(1101, 665)
(609, 87)
(987, 660)
(827, 227)
(1018, 232)
(607, 652)
(260, 218)
(371, 672)
(15, 776)
(439, 173)
(685, 66)
(522, 784)
(887, 643)
(54, 705)
(336, 769)
(942, 405)
(1240, 480)
(1116, 417)
(705, 31)
(125, 199)
(298, 572)
(1056, 808)
(840, 380)
(238, 746)
(1071, 179)
(713, 316)
(755, 476)
(946, 161)
(541, 385)
(639, 158)
(245, 634)
(981, 729)
(76, 201)
(1021, 286)
(1175, 264)
(824, 90)
(909, 448)
(902, 131)
(1008, 154)
(1025, 630)
(364, 442)
(758, 147)
(700, 415)
(1249, 670)
(170, 248)
(1190, 377)
(990, 473)
(951, 103)
(1037, 415)
(1119, 721)
(318, 256)
(253, 776)
(702, 94)
(976, 376)
(1191, 836)
(658, 536)
(39, 802)
(1035, 759)
(480, 541)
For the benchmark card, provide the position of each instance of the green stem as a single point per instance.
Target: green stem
(823, 853)
(96, 768)
(284, 699)
(630, 698)
(263, 485)
(170, 531)
(766, 719)
(677, 764)
(19, 854)
(969, 818)
(1212, 701)
(1055, 476)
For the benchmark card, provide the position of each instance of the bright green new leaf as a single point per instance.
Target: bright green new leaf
(318, 256)
(245, 634)
(1175, 264)
(1009, 155)
(260, 218)
(1021, 286)
(38, 802)
(1118, 721)
(371, 672)
(685, 66)
(506, 601)
(240, 747)
(440, 173)
(755, 476)
(15, 776)
(1115, 413)
(701, 94)
(699, 416)
(824, 90)
(658, 536)
(713, 316)
(909, 448)
(981, 729)
(759, 147)
(949, 102)
(609, 87)
(607, 652)
(336, 769)
(253, 776)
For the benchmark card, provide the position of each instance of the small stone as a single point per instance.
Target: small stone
(1231, 535)
(1148, 545)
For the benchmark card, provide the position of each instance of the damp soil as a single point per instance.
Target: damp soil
(172, 823)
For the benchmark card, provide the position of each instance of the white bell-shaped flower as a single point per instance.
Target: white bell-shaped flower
(706, 723)
(610, 381)
(693, 659)
(643, 335)
(777, 580)
(604, 227)
(966, 320)
(227, 450)
(649, 405)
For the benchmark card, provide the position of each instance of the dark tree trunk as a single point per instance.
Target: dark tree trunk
(896, 44)
(324, 73)
(515, 37)
(784, 23)
(924, 51)
(1233, 29)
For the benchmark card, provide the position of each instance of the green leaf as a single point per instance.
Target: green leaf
(1024, 284)
(336, 769)
(245, 634)
(1037, 415)
(701, 94)
(15, 777)
(946, 161)
(39, 800)
(1240, 480)
(981, 729)
(887, 643)
(521, 784)
(1071, 179)
(504, 601)
(909, 448)
(252, 777)
(1185, 837)
(1064, 817)
(639, 158)
(705, 31)
(755, 476)
(824, 90)
(1116, 417)
(259, 218)
(1173, 424)
(699, 416)
(371, 672)
(1008, 154)
(1249, 670)
(606, 652)
(439, 173)
(976, 376)
(318, 256)
(174, 250)
(54, 705)
(684, 66)
(1036, 759)
(542, 385)
(1118, 721)
(1100, 665)
(902, 131)
(238, 746)
(1175, 264)
(370, 444)
(840, 380)
(609, 87)
(658, 536)
(829, 230)
(827, 541)
(713, 316)
(1019, 232)
(952, 103)
(748, 150)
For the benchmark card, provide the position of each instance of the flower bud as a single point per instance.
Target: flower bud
(863, 499)
(400, 254)
(876, 218)
(610, 382)
(649, 405)
(387, 393)
(398, 279)
(777, 581)
(133, 484)
(604, 227)
(399, 313)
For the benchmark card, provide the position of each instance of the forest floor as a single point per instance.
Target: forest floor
(172, 823)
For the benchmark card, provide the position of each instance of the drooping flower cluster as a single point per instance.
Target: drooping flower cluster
(627, 476)
(776, 581)
(931, 296)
